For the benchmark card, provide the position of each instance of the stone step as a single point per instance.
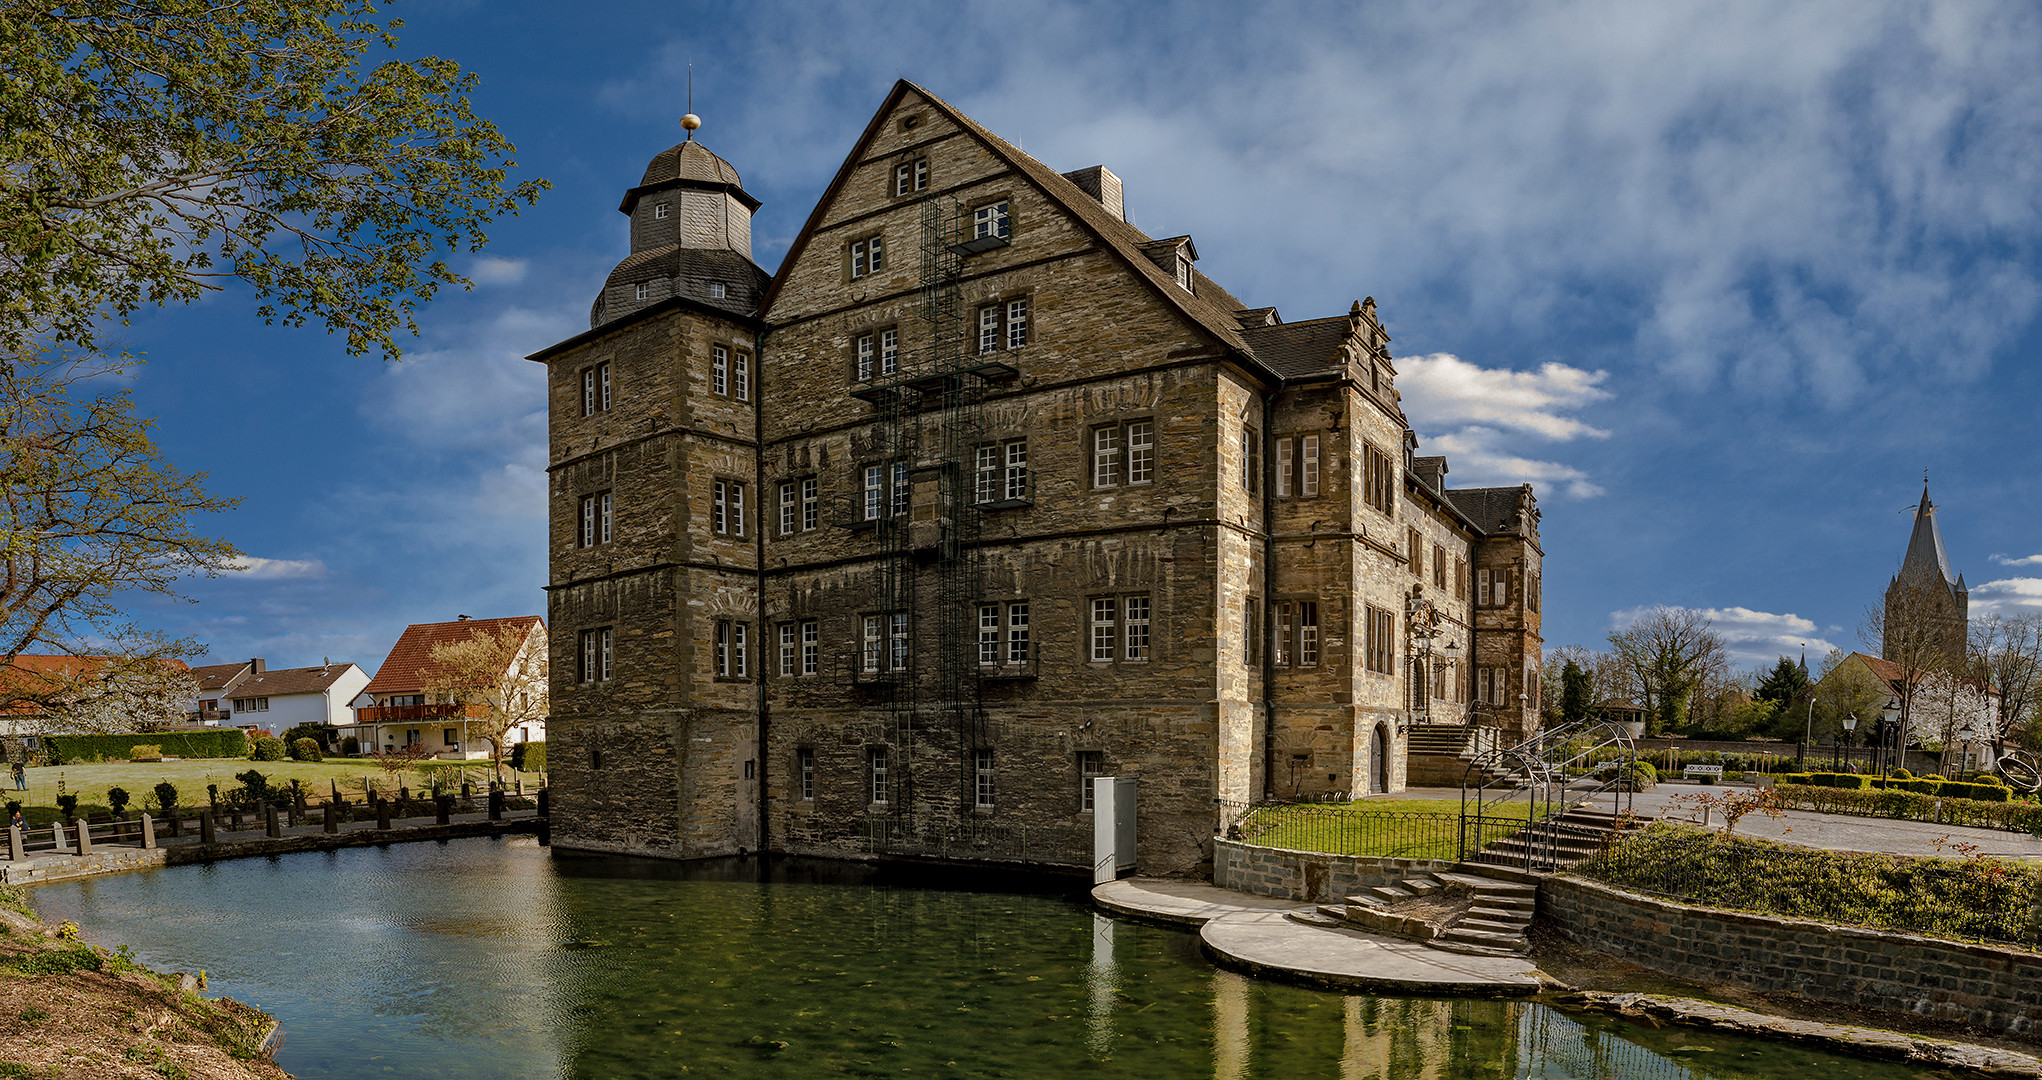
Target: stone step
(1480, 911)
(1391, 892)
(1484, 881)
(1521, 904)
(1493, 926)
(1365, 901)
(1316, 917)
(1422, 885)
(1493, 938)
(1470, 949)
(1492, 872)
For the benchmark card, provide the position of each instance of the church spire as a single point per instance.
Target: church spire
(1926, 555)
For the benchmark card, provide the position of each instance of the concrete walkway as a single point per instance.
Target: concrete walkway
(1255, 934)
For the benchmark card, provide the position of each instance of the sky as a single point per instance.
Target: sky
(1722, 281)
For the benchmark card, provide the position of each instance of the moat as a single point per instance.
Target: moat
(489, 958)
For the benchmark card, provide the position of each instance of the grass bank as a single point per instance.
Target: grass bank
(71, 1009)
(139, 779)
(1381, 828)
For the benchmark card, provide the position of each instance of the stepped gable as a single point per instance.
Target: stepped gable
(409, 667)
(1208, 305)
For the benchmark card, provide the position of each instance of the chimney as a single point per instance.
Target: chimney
(1100, 183)
(257, 666)
(461, 618)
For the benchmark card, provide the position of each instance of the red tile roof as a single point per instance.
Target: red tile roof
(409, 666)
(33, 674)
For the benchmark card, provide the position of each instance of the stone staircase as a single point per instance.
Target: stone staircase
(1437, 755)
(1557, 842)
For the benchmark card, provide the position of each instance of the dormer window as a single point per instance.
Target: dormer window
(641, 290)
(1184, 273)
(716, 290)
(659, 211)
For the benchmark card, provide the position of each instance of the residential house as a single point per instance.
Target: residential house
(400, 708)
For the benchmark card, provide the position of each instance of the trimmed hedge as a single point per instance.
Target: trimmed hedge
(268, 748)
(1896, 802)
(306, 749)
(529, 757)
(1984, 789)
(79, 749)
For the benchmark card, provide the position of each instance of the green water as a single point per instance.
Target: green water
(491, 959)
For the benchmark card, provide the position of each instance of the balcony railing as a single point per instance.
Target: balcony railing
(387, 714)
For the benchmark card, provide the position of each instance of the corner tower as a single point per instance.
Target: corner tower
(1925, 601)
(653, 537)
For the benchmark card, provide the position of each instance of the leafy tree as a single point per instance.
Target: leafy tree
(1784, 684)
(153, 151)
(1668, 655)
(2006, 652)
(501, 675)
(1847, 687)
(1577, 691)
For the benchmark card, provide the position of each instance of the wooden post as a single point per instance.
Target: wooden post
(521, 783)
(269, 823)
(382, 813)
(496, 806)
(84, 835)
(291, 813)
(207, 834)
(444, 806)
(176, 821)
(332, 822)
(148, 832)
(234, 817)
(15, 853)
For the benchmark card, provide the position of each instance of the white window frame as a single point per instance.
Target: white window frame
(660, 211)
(910, 177)
(988, 635)
(991, 219)
(741, 372)
(899, 644)
(728, 499)
(864, 351)
(1286, 457)
(790, 648)
(811, 646)
(878, 769)
(804, 770)
(982, 779)
(889, 351)
(641, 290)
(1105, 629)
(1136, 612)
(868, 256)
(870, 644)
(789, 507)
(1018, 645)
(1017, 322)
(717, 291)
(1124, 454)
(811, 503)
(1308, 466)
(719, 370)
(1091, 766)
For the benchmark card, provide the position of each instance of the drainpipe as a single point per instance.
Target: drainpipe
(1268, 595)
(765, 640)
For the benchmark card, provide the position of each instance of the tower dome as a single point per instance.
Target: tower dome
(691, 236)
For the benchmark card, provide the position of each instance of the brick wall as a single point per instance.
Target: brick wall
(1307, 875)
(1994, 988)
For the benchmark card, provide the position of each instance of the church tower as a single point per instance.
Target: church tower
(1925, 601)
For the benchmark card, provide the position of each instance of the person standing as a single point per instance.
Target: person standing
(20, 776)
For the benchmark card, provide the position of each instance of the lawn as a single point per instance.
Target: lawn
(139, 779)
(1393, 828)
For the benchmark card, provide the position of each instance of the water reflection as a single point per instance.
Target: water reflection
(483, 958)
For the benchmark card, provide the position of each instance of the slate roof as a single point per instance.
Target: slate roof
(743, 279)
(1493, 510)
(282, 682)
(1301, 348)
(409, 667)
(1926, 558)
(689, 160)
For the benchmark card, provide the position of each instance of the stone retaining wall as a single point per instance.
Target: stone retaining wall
(1995, 988)
(107, 860)
(1307, 875)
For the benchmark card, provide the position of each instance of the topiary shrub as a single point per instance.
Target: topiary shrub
(117, 799)
(306, 749)
(1902, 774)
(267, 748)
(69, 805)
(145, 752)
(350, 746)
(254, 786)
(531, 757)
(166, 795)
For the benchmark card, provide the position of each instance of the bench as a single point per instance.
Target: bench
(1692, 771)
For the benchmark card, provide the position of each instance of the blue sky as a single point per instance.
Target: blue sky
(1721, 281)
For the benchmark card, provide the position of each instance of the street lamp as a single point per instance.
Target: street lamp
(1889, 732)
(1850, 724)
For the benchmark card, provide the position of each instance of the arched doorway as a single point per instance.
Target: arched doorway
(1379, 761)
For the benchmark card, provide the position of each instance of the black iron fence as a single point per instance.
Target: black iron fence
(1342, 830)
(1964, 898)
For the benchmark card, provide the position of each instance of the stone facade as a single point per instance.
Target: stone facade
(1027, 499)
(1994, 988)
(1312, 876)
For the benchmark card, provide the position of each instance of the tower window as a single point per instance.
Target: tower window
(641, 290)
(716, 291)
(660, 211)
(1184, 273)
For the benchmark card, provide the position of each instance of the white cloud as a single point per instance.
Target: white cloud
(1749, 637)
(1443, 389)
(2024, 560)
(490, 270)
(2007, 596)
(1477, 457)
(251, 566)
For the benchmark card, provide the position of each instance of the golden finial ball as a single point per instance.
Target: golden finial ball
(691, 121)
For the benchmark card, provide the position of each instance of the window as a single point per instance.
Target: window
(889, 351)
(911, 176)
(251, 704)
(886, 491)
(1297, 466)
(1002, 472)
(729, 507)
(1091, 766)
(989, 220)
(876, 773)
(595, 389)
(804, 768)
(733, 654)
(1105, 612)
(789, 509)
(596, 520)
(659, 211)
(1297, 634)
(1531, 591)
(982, 776)
(1003, 634)
(865, 358)
(868, 256)
(717, 291)
(1380, 645)
(1124, 453)
(1460, 579)
(897, 641)
(875, 491)
(1120, 628)
(1438, 567)
(811, 646)
(870, 658)
(1184, 273)
(790, 648)
(595, 654)
(451, 736)
(882, 346)
(1251, 632)
(641, 290)
(1492, 587)
(1378, 480)
(1414, 552)
(1251, 460)
(800, 506)
(719, 369)
(1002, 326)
(741, 377)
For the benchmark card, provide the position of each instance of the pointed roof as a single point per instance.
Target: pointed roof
(689, 164)
(1207, 305)
(410, 668)
(1925, 553)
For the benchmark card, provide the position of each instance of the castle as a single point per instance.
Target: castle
(985, 493)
